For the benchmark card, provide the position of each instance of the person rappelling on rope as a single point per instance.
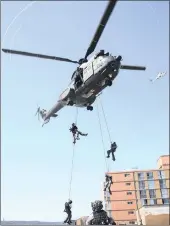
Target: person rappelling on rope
(68, 211)
(112, 151)
(42, 113)
(76, 133)
(108, 183)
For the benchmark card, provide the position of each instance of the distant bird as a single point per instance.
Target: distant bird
(159, 75)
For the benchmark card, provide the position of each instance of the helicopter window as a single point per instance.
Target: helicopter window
(89, 67)
(101, 53)
(85, 70)
(106, 54)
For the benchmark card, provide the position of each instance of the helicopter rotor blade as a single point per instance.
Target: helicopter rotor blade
(38, 55)
(130, 67)
(101, 26)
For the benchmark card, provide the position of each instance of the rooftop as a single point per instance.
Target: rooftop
(31, 223)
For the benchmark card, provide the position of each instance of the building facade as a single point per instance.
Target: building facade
(153, 215)
(136, 188)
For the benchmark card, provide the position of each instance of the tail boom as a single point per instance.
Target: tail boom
(58, 106)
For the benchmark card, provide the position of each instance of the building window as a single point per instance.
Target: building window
(127, 174)
(152, 193)
(128, 184)
(129, 203)
(164, 193)
(129, 193)
(144, 202)
(130, 212)
(131, 222)
(141, 185)
(153, 201)
(142, 194)
(140, 176)
(149, 175)
(162, 183)
(161, 174)
(151, 184)
(165, 201)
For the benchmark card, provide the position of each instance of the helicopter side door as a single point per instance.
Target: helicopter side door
(93, 67)
(87, 71)
(98, 64)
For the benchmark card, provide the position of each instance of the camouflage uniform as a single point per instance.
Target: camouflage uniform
(99, 215)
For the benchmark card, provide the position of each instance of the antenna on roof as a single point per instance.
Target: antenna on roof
(135, 167)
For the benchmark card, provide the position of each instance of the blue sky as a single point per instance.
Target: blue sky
(36, 161)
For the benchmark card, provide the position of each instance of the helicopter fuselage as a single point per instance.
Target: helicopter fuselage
(98, 73)
(92, 76)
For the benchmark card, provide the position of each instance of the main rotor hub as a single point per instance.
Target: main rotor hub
(83, 60)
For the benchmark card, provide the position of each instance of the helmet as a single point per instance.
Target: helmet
(69, 201)
(98, 205)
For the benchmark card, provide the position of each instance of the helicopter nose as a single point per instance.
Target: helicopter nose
(115, 64)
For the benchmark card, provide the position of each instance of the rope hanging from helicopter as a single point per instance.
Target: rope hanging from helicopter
(101, 133)
(108, 131)
(72, 163)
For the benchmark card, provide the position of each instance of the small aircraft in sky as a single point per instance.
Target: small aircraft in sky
(159, 75)
(91, 76)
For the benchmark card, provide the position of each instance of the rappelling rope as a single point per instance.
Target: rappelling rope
(105, 120)
(72, 165)
(108, 131)
(102, 136)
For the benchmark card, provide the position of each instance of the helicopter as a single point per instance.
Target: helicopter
(91, 76)
(159, 75)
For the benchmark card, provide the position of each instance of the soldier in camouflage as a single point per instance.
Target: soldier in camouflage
(99, 215)
(108, 183)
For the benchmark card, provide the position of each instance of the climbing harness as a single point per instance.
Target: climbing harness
(72, 164)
